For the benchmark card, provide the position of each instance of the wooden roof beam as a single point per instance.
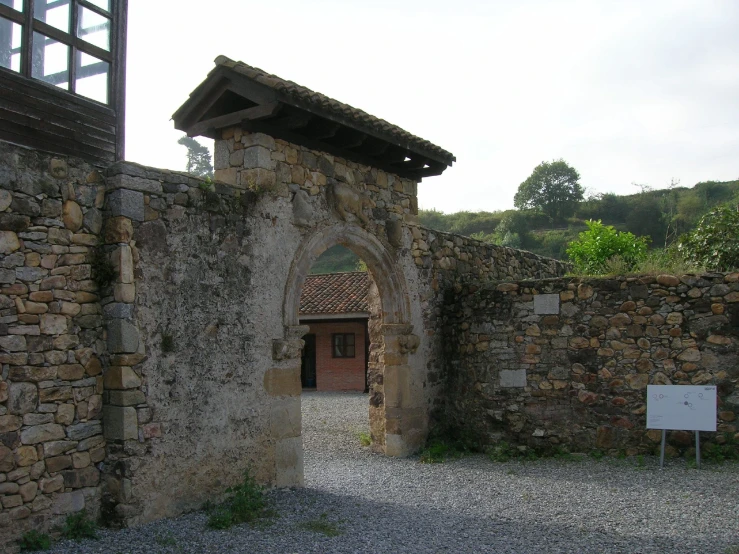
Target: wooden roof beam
(321, 129)
(255, 113)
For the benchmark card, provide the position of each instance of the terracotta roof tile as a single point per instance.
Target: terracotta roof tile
(304, 94)
(335, 293)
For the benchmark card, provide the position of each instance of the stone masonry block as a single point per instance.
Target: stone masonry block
(121, 378)
(282, 382)
(289, 462)
(546, 304)
(258, 156)
(222, 155)
(130, 182)
(126, 397)
(123, 337)
(510, 378)
(118, 310)
(285, 418)
(120, 423)
(127, 203)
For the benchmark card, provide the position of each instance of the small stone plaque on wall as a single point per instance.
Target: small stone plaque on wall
(546, 304)
(510, 378)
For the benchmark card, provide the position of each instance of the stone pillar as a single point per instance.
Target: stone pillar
(125, 413)
(404, 418)
(282, 382)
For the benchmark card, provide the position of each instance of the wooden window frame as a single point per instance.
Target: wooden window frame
(115, 56)
(342, 345)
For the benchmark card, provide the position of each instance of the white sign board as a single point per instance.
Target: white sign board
(682, 407)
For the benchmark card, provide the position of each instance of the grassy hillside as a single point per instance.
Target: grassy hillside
(662, 215)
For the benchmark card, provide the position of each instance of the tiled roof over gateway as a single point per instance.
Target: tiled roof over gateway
(319, 100)
(235, 94)
(335, 293)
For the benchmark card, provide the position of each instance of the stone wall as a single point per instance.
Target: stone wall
(567, 361)
(163, 310)
(208, 355)
(51, 339)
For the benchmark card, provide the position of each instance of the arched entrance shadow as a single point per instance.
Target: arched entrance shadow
(397, 426)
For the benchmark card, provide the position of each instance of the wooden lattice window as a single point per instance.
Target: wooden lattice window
(69, 44)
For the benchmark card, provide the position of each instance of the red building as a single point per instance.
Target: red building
(335, 307)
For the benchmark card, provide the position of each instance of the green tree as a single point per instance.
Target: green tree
(714, 243)
(553, 188)
(199, 161)
(598, 245)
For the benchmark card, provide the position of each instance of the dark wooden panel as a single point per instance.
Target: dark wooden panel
(56, 133)
(34, 114)
(35, 139)
(57, 97)
(76, 120)
(60, 126)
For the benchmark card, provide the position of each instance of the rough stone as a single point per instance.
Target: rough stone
(22, 398)
(546, 304)
(126, 203)
(42, 433)
(120, 423)
(123, 337)
(72, 215)
(513, 378)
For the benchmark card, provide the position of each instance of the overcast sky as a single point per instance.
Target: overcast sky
(640, 91)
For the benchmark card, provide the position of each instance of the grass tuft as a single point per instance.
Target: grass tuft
(246, 504)
(33, 541)
(365, 439)
(322, 526)
(78, 527)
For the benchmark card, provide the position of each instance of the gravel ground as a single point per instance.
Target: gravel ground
(380, 504)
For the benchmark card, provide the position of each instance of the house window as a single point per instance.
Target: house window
(343, 345)
(64, 43)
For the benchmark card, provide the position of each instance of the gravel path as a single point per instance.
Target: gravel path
(380, 504)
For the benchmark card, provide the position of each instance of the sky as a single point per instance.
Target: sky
(627, 92)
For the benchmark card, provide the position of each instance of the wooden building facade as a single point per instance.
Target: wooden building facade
(62, 76)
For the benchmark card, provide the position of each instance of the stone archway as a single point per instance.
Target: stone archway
(395, 427)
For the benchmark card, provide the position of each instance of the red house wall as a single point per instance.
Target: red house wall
(339, 374)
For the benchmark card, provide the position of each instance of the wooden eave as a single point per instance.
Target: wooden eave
(304, 122)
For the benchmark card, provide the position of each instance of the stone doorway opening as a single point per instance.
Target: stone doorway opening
(394, 427)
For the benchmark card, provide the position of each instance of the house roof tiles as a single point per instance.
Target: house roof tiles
(335, 293)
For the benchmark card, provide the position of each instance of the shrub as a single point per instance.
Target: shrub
(600, 243)
(78, 527)
(714, 243)
(33, 541)
(246, 504)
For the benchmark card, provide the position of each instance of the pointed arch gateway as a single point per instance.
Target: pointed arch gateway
(393, 424)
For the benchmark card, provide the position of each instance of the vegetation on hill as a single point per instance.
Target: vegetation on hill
(665, 218)
(336, 259)
(662, 216)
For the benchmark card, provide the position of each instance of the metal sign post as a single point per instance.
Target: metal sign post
(697, 450)
(681, 407)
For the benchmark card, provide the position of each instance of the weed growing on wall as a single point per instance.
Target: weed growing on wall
(720, 453)
(78, 527)
(246, 504)
(103, 272)
(167, 343)
(445, 442)
(33, 541)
